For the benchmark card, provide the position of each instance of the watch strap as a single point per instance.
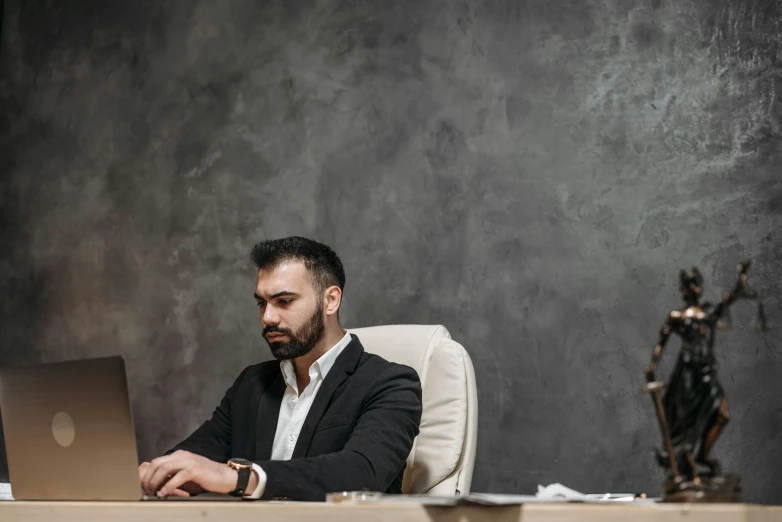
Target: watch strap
(241, 481)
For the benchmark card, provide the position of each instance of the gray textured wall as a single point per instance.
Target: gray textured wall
(531, 174)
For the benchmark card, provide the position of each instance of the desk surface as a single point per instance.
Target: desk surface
(279, 512)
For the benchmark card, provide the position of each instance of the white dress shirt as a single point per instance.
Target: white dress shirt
(295, 406)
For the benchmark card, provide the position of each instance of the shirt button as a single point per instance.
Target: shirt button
(292, 438)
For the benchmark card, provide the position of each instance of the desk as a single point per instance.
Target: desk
(278, 512)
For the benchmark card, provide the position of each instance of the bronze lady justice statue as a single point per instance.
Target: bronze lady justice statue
(693, 411)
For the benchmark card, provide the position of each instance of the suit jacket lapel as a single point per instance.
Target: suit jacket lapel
(344, 366)
(268, 413)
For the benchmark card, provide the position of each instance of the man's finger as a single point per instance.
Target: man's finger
(149, 472)
(179, 479)
(163, 472)
(153, 477)
(177, 493)
(146, 478)
(146, 474)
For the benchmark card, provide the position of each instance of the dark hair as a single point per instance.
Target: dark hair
(321, 261)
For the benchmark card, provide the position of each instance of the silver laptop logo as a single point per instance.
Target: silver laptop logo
(63, 429)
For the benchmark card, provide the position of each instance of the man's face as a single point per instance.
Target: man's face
(291, 312)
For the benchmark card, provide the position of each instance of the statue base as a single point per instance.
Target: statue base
(721, 488)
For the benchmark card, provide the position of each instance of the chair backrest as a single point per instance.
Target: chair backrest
(443, 455)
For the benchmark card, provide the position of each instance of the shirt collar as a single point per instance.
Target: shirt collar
(322, 365)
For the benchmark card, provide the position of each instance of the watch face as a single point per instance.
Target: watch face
(241, 463)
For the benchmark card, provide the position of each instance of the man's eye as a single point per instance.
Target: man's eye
(285, 301)
(260, 304)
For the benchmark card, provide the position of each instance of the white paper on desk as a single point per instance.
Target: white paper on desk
(499, 499)
(559, 492)
(551, 493)
(424, 500)
(5, 491)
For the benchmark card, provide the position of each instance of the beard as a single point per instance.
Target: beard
(300, 343)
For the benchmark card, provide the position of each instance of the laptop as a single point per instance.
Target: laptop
(69, 431)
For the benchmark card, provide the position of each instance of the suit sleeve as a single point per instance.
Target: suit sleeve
(213, 438)
(373, 456)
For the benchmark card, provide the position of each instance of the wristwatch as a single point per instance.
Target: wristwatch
(244, 467)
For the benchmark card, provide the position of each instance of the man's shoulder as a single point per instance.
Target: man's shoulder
(378, 377)
(374, 366)
(262, 371)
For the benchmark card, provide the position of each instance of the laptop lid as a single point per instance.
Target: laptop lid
(69, 431)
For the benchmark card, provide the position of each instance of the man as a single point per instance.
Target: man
(327, 417)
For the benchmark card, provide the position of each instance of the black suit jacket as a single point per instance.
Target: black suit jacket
(357, 434)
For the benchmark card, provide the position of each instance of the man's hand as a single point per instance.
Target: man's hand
(183, 473)
(184, 491)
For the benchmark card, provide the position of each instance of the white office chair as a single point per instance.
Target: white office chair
(443, 455)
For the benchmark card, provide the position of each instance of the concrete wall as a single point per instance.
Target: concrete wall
(532, 174)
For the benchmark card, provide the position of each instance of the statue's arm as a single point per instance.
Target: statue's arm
(740, 291)
(665, 332)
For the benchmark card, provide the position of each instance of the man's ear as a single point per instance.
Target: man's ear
(333, 299)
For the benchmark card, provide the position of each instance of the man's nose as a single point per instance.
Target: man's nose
(270, 316)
